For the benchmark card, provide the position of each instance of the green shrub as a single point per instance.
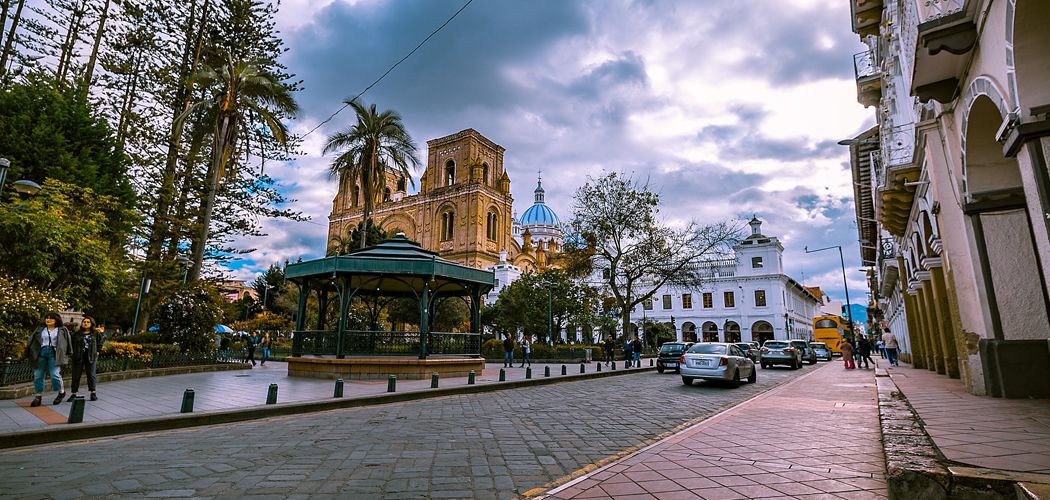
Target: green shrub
(492, 349)
(22, 309)
(541, 351)
(187, 319)
(161, 348)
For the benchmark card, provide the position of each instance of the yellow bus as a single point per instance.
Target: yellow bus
(830, 329)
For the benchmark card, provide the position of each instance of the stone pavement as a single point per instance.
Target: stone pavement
(994, 433)
(817, 437)
(155, 397)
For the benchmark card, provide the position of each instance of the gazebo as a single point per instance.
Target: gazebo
(369, 280)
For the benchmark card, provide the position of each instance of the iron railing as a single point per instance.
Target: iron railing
(864, 65)
(458, 344)
(898, 145)
(16, 372)
(383, 343)
(930, 10)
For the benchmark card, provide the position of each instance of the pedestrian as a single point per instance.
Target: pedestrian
(224, 347)
(251, 341)
(882, 348)
(890, 341)
(86, 343)
(628, 352)
(610, 348)
(864, 352)
(637, 349)
(265, 344)
(47, 349)
(526, 350)
(847, 353)
(508, 352)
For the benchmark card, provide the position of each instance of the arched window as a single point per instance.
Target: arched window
(386, 194)
(357, 195)
(448, 222)
(492, 227)
(485, 173)
(450, 173)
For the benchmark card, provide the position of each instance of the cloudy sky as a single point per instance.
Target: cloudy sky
(728, 107)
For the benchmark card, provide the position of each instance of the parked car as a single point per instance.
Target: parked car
(670, 354)
(750, 350)
(822, 350)
(780, 352)
(807, 351)
(716, 361)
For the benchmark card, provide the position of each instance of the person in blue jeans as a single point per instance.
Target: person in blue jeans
(265, 345)
(508, 352)
(526, 350)
(250, 343)
(47, 350)
(637, 349)
(628, 352)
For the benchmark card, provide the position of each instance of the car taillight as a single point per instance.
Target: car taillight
(682, 359)
(789, 349)
(764, 349)
(723, 362)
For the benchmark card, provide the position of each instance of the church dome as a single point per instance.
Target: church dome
(539, 214)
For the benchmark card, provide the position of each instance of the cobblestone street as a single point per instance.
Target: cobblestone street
(493, 445)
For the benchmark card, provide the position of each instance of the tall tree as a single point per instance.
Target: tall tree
(377, 142)
(239, 93)
(631, 251)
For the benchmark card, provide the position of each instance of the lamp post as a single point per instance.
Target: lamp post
(550, 313)
(849, 310)
(21, 187)
(144, 284)
(186, 264)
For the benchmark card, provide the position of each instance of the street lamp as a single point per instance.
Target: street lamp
(186, 264)
(550, 314)
(22, 187)
(849, 310)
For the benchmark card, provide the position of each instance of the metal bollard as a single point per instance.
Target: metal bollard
(583, 368)
(470, 378)
(650, 361)
(434, 380)
(613, 365)
(599, 367)
(502, 375)
(563, 372)
(76, 412)
(528, 372)
(391, 383)
(546, 371)
(187, 401)
(338, 388)
(271, 395)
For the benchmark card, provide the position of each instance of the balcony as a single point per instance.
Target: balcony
(869, 80)
(888, 268)
(866, 16)
(943, 33)
(896, 172)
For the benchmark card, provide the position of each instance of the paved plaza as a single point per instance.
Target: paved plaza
(503, 444)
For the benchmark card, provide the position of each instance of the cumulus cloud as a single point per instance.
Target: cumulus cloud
(728, 109)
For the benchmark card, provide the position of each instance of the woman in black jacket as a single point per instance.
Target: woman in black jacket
(47, 350)
(86, 342)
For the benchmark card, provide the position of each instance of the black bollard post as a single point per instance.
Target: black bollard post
(583, 368)
(338, 388)
(528, 372)
(650, 361)
(563, 372)
(391, 383)
(546, 371)
(470, 378)
(502, 375)
(434, 380)
(76, 412)
(613, 365)
(271, 395)
(599, 367)
(187, 401)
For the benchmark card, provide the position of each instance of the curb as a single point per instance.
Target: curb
(916, 469)
(77, 432)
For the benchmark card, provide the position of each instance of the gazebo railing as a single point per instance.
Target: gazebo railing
(457, 344)
(315, 342)
(380, 343)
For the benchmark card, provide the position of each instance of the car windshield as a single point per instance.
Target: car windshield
(666, 348)
(744, 347)
(776, 345)
(819, 345)
(708, 349)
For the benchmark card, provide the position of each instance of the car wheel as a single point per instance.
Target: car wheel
(736, 379)
(687, 380)
(764, 366)
(813, 360)
(660, 369)
(795, 364)
(753, 377)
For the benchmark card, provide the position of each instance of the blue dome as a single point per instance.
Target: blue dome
(539, 214)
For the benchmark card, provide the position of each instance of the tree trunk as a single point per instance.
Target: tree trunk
(220, 147)
(65, 57)
(90, 69)
(10, 37)
(4, 6)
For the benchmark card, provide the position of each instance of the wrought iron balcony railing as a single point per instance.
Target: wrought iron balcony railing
(898, 145)
(864, 65)
(930, 10)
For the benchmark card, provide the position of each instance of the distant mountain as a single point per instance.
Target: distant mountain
(860, 313)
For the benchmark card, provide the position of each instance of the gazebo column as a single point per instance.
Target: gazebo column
(340, 325)
(300, 318)
(424, 321)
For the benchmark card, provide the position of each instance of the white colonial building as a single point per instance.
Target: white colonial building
(748, 298)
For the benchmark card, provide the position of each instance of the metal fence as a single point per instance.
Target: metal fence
(381, 343)
(17, 372)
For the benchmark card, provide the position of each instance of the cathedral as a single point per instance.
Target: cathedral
(463, 210)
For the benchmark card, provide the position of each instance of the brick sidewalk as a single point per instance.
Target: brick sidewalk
(815, 438)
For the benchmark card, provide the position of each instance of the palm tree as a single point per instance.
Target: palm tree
(341, 246)
(238, 95)
(377, 142)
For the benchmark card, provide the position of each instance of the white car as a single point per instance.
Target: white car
(717, 361)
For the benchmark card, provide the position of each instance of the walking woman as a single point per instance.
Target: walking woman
(47, 350)
(265, 344)
(847, 353)
(84, 355)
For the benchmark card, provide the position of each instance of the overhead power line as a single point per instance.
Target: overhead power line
(389, 70)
